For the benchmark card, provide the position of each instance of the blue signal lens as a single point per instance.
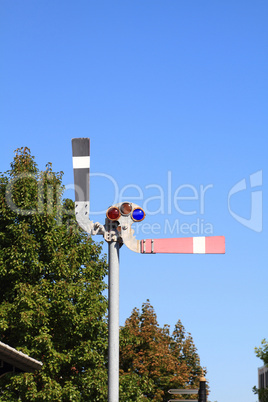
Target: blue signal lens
(138, 214)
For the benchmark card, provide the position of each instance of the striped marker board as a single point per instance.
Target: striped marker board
(81, 164)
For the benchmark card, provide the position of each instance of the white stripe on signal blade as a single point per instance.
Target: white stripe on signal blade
(81, 162)
(199, 245)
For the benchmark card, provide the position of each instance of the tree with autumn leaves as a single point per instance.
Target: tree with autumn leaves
(153, 361)
(52, 305)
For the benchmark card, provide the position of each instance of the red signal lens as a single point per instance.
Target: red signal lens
(113, 213)
(126, 208)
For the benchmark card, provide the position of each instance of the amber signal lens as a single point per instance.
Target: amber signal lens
(126, 208)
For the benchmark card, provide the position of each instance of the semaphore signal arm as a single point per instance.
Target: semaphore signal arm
(121, 216)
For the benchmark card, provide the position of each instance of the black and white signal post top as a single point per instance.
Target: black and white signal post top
(117, 231)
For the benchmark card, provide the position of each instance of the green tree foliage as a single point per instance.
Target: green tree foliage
(152, 360)
(51, 289)
(262, 353)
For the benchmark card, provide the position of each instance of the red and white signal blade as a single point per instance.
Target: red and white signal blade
(187, 245)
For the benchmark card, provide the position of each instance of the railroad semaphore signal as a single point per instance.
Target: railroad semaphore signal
(117, 231)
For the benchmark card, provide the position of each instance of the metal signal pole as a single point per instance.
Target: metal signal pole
(113, 323)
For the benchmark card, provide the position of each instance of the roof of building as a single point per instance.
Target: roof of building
(18, 359)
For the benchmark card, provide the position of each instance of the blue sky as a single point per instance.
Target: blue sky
(174, 89)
